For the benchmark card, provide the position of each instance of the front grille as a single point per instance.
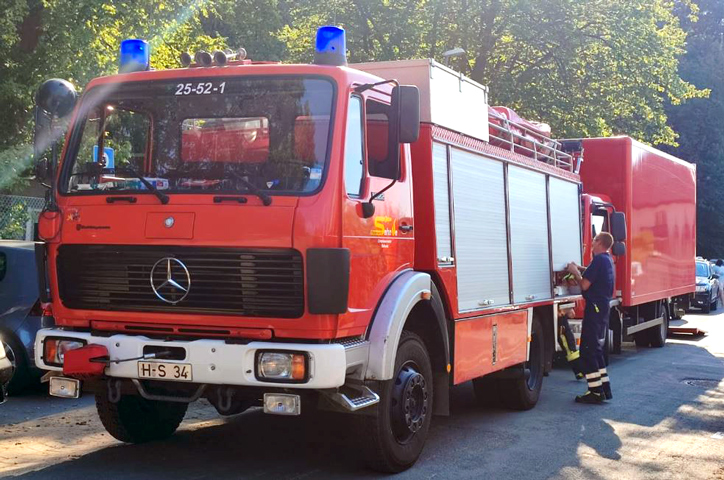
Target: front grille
(230, 281)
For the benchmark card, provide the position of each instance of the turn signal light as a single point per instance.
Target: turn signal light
(54, 349)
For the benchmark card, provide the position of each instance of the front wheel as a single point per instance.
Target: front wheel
(394, 437)
(137, 420)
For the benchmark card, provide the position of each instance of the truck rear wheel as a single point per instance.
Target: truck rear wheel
(523, 393)
(137, 420)
(393, 438)
(658, 334)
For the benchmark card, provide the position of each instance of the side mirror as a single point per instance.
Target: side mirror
(56, 97)
(715, 276)
(404, 124)
(619, 249)
(618, 226)
(42, 170)
(409, 98)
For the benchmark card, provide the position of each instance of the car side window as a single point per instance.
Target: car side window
(354, 149)
(3, 266)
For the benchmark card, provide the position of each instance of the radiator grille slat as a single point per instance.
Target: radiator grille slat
(230, 281)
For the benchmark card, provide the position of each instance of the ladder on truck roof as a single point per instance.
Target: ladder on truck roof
(513, 136)
(457, 103)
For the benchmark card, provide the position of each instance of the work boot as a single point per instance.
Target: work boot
(590, 398)
(606, 387)
(605, 384)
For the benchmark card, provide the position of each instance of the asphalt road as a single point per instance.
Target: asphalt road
(666, 421)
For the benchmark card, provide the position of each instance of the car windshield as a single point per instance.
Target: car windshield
(203, 135)
(702, 269)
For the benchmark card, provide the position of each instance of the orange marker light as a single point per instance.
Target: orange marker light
(298, 367)
(51, 351)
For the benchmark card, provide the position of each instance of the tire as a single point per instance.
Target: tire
(387, 442)
(137, 420)
(607, 346)
(706, 308)
(715, 305)
(523, 393)
(21, 376)
(657, 336)
(616, 328)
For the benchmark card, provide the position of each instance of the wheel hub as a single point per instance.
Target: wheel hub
(410, 397)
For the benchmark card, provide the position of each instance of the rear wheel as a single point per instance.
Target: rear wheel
(137, 420)
(523, 393)
(658, 334)
(393, 438)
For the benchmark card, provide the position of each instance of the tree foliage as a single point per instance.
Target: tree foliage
(587, 67)
(698, 121)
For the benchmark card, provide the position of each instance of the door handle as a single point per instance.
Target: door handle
(406, 228)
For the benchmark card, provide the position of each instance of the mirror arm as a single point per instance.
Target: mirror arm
(368, 208)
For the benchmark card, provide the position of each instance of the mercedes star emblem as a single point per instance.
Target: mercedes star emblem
(170, 280)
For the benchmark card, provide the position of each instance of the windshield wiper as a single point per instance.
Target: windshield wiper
(151, 187)
(253, 189)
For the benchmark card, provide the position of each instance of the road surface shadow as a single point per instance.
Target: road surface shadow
(650, 387)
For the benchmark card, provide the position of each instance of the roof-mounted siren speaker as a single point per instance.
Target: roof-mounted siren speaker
(331, 46)
(203, 58)
(222, 57)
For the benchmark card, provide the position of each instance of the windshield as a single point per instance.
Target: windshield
(702, 269)
(216, 135)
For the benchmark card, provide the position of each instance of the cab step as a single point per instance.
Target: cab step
(367, 398)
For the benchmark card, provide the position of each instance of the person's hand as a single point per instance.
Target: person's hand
(572, 268)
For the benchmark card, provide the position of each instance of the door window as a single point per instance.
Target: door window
(354, 148)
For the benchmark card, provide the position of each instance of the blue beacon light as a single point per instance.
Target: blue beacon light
(331, 46)
(135, 56)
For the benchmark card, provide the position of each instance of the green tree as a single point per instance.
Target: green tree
(587, 67)
(698, 122)
(79, 40)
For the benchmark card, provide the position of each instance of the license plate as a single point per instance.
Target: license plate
(180, 372)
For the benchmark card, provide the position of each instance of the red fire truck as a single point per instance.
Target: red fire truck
(307, 236)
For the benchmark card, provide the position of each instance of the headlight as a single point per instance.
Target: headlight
(281, 366)
(702, 288)
(54, 349)
(2, 351)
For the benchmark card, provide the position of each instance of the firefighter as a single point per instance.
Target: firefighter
(597, 283)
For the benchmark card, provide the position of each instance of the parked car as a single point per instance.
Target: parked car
(6, 371)
(21, 315)
(707, 288)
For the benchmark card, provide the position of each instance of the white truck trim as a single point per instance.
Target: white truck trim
(214, 362)
(384, 336)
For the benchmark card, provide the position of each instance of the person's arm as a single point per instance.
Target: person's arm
(577, 271)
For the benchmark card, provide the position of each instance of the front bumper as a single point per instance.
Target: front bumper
(215, 362)
(701, 299)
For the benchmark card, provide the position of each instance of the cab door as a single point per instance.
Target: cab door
(382, 244)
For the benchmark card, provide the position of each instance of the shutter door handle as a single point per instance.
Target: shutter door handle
(406, 228)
